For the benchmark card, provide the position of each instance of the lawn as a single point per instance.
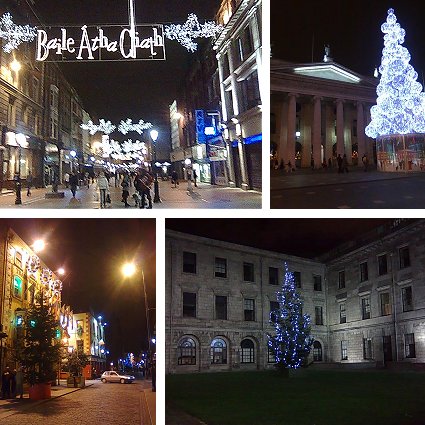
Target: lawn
(307, 397)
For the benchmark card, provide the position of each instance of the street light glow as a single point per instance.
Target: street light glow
(154, 135)
(61, 271)
(38, 245)
(128, 269)
(15, 65)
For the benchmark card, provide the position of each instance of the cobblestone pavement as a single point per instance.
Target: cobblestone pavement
(202, 196)
(112, 404)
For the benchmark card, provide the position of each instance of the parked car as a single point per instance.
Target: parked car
(112, 376)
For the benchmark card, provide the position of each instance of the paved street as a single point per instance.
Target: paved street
(203, 196)
(355, 189)
(96, 404)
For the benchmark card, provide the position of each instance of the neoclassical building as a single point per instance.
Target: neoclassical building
(366, 300)
(320, 110)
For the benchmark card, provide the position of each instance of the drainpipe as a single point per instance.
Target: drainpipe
(394, 307)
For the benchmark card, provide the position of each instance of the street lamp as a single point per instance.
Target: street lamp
(38, 245)
(21, 141)
(154, 137)
(73, 154)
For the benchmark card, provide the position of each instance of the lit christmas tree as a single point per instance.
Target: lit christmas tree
(292, 341)
(401, 103)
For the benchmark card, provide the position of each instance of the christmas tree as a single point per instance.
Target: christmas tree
(400, 106)
(292, 341)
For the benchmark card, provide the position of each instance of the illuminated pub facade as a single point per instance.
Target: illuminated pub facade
(365, 300)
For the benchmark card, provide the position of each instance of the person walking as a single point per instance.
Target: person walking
(5, 383)
(73, 183)
(195, 176)
(344, 164)
(143, 183)
(103, 187)
(174, 178)
(29, 183)
(339, 162)
(365, 162)
(66, 178)
(19, 378)
(125, 184)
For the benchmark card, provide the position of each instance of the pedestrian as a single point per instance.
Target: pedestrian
(339, 161)
(174, 178)
(66, 178)
(5, 383)
(73, 182)
(13, 383)
(145, 183)
(125, 184)
(103, 187)
(344, 164)
(289, 169)
(19, 377)
(87, 179)
(365, 162)
(330, 163)
(195, 176)
(29, 183)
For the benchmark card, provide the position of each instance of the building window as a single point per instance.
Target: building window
(297, 279)
(271, 355)
(228, 100)
(218, 351)
(344, 351)
(404, 257)
(248, 272)
(189, 262)
(318, 315)
(385, 303)
(407, 298)
(186, 352)
(18, 259)
(11, 113)
(363, 272)
(54, 127)
(249, 92)
(317, 351)
(249, 310)
(220, 269)
(274, 311)
(273, 276)
(382, 264)
(189, 304)
(220, 307)
(409, 346)
(342, 313)
(367, 349)
(317, 282)
(226, 65)
(366, 308)
(17, 286)
(248, 354)
(35, 89)
(341, 279)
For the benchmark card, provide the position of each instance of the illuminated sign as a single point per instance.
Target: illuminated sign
(95, 43)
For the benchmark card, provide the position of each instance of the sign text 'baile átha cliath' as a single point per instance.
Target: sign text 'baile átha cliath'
(105, 43)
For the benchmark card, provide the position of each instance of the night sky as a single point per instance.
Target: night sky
(132, 89)
(351, 28)
(92, 252)
(306, 238)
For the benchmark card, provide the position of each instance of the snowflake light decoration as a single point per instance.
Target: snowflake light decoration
(15, 34)
(191, 29)
(105, 127)
(127, 126)
(400, 106)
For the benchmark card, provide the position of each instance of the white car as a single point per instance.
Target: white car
(112, 376)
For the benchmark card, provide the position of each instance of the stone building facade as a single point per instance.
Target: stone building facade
(366, 301)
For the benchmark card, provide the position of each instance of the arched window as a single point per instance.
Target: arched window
(218, 351)
(186, 351)
(317, 351)
(248, 355)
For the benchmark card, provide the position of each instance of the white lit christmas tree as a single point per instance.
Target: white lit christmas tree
(400, 106)
(291, 342)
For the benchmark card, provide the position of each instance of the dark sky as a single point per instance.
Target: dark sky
(92, 252)
(351, 28)
(135, 89)
(306, 238)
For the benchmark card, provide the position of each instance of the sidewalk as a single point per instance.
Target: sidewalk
(11, 406)
(148, 406)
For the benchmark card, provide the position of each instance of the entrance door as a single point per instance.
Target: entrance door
(317, 351)
(387, 347)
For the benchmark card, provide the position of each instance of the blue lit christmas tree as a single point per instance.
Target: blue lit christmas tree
(400, 106)
(292, 341)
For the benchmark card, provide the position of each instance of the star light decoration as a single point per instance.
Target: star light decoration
(126, 151)
(105, 127)
(400, 106)
(190, 30)
(127, 126)
(14, 34)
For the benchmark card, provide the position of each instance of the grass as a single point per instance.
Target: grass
(308, 397)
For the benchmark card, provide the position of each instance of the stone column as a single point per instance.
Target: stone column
(243, 164)
(340, 147)
(283, 133)
(292, 115)
(317, 131)
(330, 130)
(231, 178)
(361, 133)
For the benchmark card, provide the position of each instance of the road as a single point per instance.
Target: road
(370, 190)
(112, 404)
(203, 196)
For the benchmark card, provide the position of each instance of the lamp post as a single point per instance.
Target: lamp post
(154, 137)
(21, 141)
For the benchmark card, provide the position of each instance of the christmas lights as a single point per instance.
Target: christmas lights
(33, 264)
(400, 106)
(191, 29)
(292, 341)
(127, 126)
(105, 127)
(14, 34)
